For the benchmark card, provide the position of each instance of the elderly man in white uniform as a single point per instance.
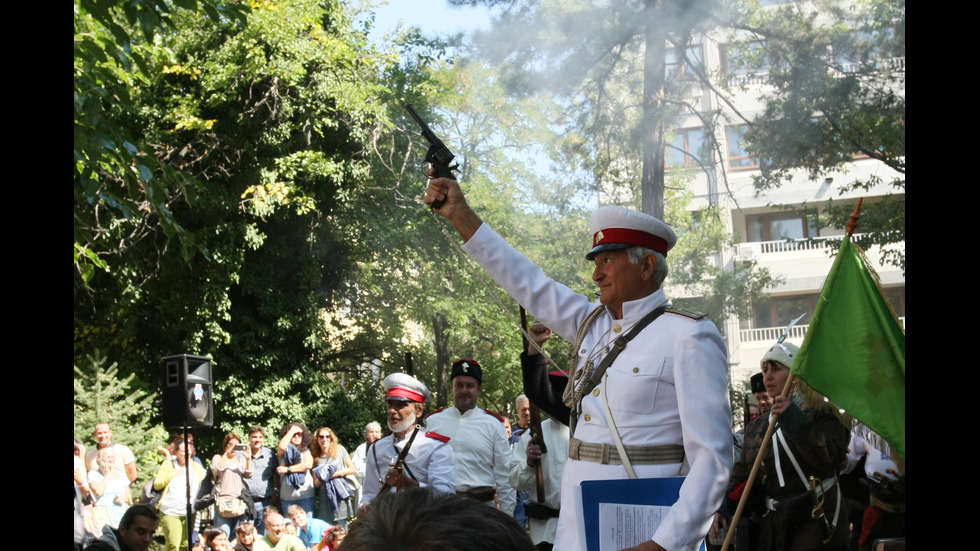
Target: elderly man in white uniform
(667, 390)
(429, 461)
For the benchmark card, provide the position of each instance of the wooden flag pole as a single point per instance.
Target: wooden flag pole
(755, 469)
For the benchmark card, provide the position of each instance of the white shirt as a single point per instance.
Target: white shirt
(669, 386)
(877, 462)
(430, 461)
(479, 442)
(360, 461)
(522, 476)
(124, 456)
(174, 499)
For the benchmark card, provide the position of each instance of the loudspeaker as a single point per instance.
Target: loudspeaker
(186, 382)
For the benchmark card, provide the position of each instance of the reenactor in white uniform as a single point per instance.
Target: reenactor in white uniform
(478, 438)
(429, 460)
(664, 397)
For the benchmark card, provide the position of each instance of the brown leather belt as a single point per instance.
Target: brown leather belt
(480, 493)
(607, 454)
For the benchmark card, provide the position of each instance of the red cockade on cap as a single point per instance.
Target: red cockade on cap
(630, 237)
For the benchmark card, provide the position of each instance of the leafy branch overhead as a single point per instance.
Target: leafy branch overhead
(124, 190)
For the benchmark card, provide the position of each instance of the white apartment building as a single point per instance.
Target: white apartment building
(785, 240)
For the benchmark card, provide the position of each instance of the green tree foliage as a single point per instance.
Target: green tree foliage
(416, 291)
(102, 395)
(613, 77)
(835, 93)
(123, 189)
(274, 116)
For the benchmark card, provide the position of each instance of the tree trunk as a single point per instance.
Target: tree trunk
(440, 332)
(654, 78)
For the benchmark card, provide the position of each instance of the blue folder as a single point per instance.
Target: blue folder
(640, 491)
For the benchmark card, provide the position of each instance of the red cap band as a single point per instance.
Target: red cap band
(630, 237)
(400, 392)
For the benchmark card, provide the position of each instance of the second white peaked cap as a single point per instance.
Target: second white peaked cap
(616, 227)
(405, 388)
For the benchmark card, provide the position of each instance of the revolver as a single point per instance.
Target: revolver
(438, 156)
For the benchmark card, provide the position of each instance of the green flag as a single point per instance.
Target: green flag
(854, 350)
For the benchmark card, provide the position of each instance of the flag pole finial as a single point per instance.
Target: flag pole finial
(855, 216)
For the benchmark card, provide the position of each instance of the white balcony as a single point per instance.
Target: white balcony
(755, 342)
(754, 250)
(804, 263)
(769, 335)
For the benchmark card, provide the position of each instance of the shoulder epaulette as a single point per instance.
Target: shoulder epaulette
(437, 436)
(686, 313)
(427, 415)
(495, 414)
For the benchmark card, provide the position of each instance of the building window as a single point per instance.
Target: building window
(688, 148)
(778, 226)
(868, 51)
(738, 157)
(779, 311)
(680, 71)
(745, 63)
(677, 67)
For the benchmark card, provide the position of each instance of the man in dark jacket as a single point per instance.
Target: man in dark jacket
(134, 534)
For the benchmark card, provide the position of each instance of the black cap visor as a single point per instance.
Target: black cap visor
(607, 247)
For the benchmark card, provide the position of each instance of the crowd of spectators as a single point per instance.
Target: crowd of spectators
(303, 495)
(232, 499)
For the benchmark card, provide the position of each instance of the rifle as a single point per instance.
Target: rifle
(537, 437)
(438, 156)
(400, 462)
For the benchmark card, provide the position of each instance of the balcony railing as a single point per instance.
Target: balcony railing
(755, 248)
(888, 64)
(752, 79)
(771, 334)
(846, 68)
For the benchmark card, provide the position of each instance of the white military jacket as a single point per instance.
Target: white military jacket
(669, 386)
(482, 452)
(430, 460)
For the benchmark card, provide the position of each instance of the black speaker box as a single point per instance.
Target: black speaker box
(186, 383)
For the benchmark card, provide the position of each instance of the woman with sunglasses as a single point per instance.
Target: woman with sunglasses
(333, 464)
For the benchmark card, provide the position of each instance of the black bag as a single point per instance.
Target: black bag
(206, 494)
(149, 495)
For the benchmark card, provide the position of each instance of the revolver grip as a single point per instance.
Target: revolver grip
(442, 171)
